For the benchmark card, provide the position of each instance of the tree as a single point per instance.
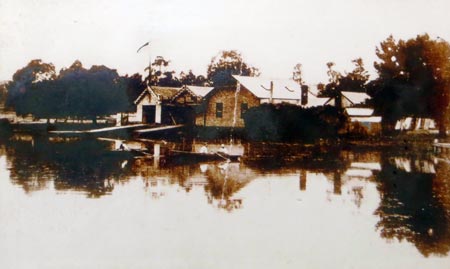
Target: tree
(168, 80)
(160, 62)
(190, 78)
(35, 71)
(297, 74)
(356, 80)
(98, 91)
(331, 89)
(135, 86)
(224, 65)
(414, 80)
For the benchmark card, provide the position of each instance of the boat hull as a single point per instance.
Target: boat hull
(179, 156)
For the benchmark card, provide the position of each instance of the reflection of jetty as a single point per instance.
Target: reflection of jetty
(442, 150)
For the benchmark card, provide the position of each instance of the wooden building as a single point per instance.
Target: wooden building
(363, 121)
(349, 99)
(225, 107)
(166, 105)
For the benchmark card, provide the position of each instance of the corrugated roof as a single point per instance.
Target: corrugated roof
(355, 97)
(165, 93)
(359, 111)
(316, 101)
(286, 89)
(253, 84)
(199, 90)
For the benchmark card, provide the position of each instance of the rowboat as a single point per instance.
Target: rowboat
(180, 156)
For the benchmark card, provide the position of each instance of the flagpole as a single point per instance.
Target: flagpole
(149, 62)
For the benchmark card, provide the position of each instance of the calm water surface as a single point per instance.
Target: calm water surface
(76, 204)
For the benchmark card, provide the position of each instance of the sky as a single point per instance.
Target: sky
(271, 35)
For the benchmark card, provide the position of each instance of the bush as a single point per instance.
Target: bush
(287, 123)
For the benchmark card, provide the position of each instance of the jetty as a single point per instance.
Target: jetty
(137, 129)
(100, 130)
(157, 129)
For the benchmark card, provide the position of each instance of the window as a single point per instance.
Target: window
(219, 110)
(244, 108)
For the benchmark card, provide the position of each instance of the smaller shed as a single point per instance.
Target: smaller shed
(362, 121)
(350, 99)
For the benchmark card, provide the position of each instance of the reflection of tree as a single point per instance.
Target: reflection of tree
(224, 180)
(84, 165)
(413, 208)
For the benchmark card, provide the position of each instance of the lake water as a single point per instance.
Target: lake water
(76, 204)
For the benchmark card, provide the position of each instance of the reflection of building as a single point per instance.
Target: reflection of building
(224, 181)
(157, 186)
(410, 123)
(410, 165)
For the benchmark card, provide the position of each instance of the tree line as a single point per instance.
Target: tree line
(413, 81)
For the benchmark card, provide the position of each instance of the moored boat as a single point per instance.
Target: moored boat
(180, 156)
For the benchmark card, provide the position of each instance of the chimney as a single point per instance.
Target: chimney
(304, 99)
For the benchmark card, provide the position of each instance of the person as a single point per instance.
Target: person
(204, 149)
(223, 149)
(123, 146)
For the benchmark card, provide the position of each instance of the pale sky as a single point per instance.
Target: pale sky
(271, 35)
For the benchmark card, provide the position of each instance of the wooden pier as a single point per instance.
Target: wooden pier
(138, 129)
(100, 130)
(442, 150)
(157, 129)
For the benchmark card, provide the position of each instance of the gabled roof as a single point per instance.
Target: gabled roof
(282, 88)
(139, 98)
(199, 90)
(165, 93)
(285, 89)
(355, 97)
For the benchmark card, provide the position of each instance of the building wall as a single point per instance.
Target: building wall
(137, 117)
(227, 98)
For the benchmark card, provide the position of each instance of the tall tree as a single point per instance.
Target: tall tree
(414, 80)
(356, 80)
(297, 74)
(224, 65)
(35, 71)
(135, 86)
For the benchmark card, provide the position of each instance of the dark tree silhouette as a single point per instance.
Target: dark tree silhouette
(226, 64)
(190, 78)
(414, 80)
(35, 71)
(135, 86)
(76, 92)
(354, 81)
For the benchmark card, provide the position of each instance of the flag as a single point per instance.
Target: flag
(146, 44)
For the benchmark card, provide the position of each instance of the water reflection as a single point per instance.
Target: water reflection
(223, 181)
(80, 165)
(412, 190)
(415, 204)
